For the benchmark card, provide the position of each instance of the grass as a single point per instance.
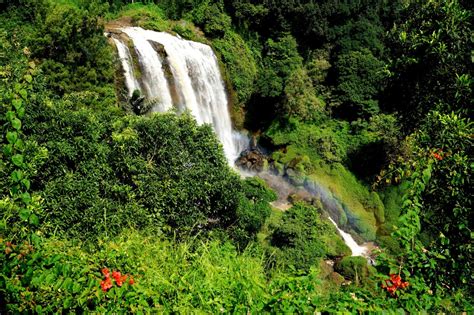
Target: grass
(193, 276)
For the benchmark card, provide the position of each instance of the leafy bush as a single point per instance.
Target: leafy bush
(73, 51)
(143, 172)
(211, 17)
(303, 238)
(280, 59)
(240, 63)
(434, 226)
(355, 269)
(301, 101)
(359, 76)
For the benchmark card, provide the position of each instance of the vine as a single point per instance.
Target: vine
(19, 210)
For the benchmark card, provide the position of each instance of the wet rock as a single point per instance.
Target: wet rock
(295, 176)
(252, 160)
(159, 48)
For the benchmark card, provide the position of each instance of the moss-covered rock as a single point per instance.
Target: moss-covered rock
(355, 268)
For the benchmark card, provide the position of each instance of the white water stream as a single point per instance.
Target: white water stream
(357, 250)
(127, 65)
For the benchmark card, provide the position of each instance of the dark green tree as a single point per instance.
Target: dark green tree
(359, 79)
(432, 69)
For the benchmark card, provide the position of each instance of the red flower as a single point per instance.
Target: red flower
(106, 272)
(394, 283)
(437, 156)
(131, 281)
(118, 278)
(106, 284)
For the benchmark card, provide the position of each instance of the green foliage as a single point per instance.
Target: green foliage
(333, 140)
(169, 277)
(280, 59)
(301, 101)
(318, 67)
(99, 171)
(135, 171)
(355, 269)
(239, 62)
(211, 17)
(74, 53)
(356, 34)
(19, 209)
(253, 210)
(359, 78)
(432, 54)
(303, 238)
(435, 226)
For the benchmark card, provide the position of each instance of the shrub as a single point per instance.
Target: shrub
(303, 237)
(355, 269)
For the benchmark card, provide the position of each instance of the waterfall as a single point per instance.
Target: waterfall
(127, 65)
(155, 85)
(184, 74)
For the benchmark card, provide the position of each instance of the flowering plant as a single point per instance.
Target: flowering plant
(394, 283)
(120, 279)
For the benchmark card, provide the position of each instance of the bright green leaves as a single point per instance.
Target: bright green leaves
(28, 78)
(8, 149)
(19, 107)
(26, 198)
(427, 175)
(24, 214)
(23, 94)
(11, 117)
(16, 123)
(17, 176)
(33, 219)
(17, 103)
(12, 137)
(26, 183)
(17, 159)
(23, 206)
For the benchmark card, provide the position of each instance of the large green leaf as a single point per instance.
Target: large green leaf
(17, 159)
(12, 136)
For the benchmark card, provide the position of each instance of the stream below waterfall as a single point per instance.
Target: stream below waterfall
(284, 190)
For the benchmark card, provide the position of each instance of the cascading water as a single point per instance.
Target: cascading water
(127, 65)
(357, 250)
(184, 74)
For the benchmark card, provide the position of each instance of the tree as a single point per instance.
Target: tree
(281, 59)
(301, 101)
(359, 77)
(432, 61)
(71, 45)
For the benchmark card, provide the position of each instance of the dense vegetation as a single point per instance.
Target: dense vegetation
(368, 102)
